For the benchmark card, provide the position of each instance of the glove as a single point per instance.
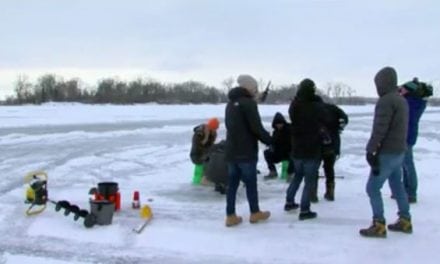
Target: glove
(373, 161)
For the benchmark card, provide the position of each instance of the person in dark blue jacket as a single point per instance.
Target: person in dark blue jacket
(417, 105)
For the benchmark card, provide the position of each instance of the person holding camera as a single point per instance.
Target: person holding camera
(415, 94)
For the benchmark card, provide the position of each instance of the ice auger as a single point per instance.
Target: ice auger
(37, 197)
(36, 193)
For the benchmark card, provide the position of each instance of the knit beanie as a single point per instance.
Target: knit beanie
(249, 83)
(213, 123)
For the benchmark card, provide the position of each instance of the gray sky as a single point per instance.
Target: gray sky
(170, 40)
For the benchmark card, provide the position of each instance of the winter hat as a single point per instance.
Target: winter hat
(249, 83)
(412, 85)
(306, 89)
(213, 123)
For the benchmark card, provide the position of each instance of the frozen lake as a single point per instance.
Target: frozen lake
(146, 148)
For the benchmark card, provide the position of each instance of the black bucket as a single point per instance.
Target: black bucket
(103, 211)
(107, 189)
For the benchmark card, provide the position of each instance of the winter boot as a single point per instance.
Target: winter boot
(401, 225)
(271, 175)
(259, 216)
(305, 215)
(233, 220)
(290, 206)
(377, 229)
(330, 192)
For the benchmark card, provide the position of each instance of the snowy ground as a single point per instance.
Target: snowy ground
(145, 148)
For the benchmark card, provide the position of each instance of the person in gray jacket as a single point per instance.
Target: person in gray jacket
(385, 152)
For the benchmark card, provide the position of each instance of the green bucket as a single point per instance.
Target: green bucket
(284, 167)
(198, 174)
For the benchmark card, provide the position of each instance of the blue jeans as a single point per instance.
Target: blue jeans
(390, 168)
(247, 172)
(307, 169)
(409, 173)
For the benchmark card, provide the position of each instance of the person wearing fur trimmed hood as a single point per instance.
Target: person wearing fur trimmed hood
(243, 131)
(280, 148)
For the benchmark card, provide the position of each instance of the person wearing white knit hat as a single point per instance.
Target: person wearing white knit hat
(249, 83)
(243, 131)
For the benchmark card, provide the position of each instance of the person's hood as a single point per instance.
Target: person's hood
(278, 119)
(238, 92)
(306, 90)
(386, 81)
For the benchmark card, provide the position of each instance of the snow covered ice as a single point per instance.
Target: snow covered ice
(146, 148)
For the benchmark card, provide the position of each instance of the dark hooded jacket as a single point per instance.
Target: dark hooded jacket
(390, 122)
(337, 119)
(216, 169)
(243, 127)
(281, 137)
(308, 116)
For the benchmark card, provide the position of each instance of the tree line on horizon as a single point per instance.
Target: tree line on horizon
(53, 88)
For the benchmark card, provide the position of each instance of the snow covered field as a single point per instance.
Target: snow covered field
(146, 148)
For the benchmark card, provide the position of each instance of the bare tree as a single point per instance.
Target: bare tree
(328, 88)
(23, 89)
(228, 83)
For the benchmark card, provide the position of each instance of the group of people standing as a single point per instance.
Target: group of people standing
(312, 137)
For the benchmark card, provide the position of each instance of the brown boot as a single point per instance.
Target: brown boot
(377, 229)
(259, 216)
(233, 220)
(401, 225)
(330, 192)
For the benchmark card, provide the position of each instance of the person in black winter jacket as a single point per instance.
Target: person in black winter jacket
(330, 147)
(308, 117)
(337, 120)
(215, 167)
(280, 148)
(243, 131)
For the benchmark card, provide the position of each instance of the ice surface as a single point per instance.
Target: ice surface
(146, 148)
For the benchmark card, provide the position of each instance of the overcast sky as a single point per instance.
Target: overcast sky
(170, 40)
